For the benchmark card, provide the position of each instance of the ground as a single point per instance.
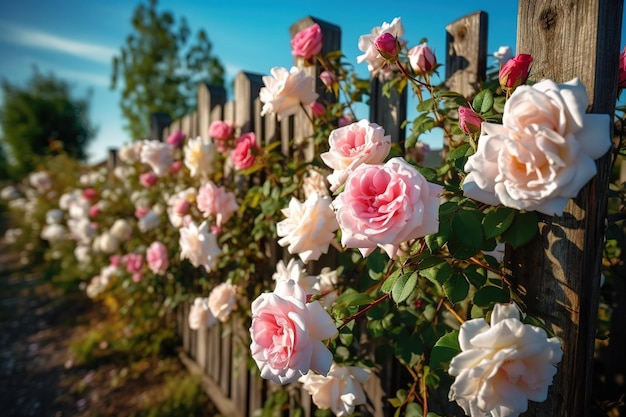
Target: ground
(39, 371)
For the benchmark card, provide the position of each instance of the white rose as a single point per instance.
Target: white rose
(340, 391)
(106, 243)
(375, 62)
(199, 314)
(54, 233)
(199, 156)
(502, 366)
(309, 227)
(296, 272)
(122, 230)
(314, 182)
(158, 155)
(221, 301)
(285, 90)
(54, 216)
(149, 221)
(199, 245)
(544, 151)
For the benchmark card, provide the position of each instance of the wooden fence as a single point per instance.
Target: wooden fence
(567, 40)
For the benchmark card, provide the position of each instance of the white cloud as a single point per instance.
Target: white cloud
(42, 40)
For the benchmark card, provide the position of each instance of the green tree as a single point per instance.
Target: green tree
(42, 118)
(160, 66)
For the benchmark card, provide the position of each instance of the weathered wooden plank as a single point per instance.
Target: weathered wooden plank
(466, 53)
(246, 90)
(331, 41)
(185, 329)
(158, 122)
(185, 125)
(224, 404)
(560, 269)
(193, 128)
(388, 112)
(201, 344)
(226, 357)
(209, 99)
(239, 370)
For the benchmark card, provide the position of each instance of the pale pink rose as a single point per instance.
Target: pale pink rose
(158, 155)
(199, 246)
(199, 314)
(157, 258)
(308, 42)
(543, 152)
(502, 365)
(90, 194)
(422, 59)
(41, 181)
(285, 90)
(340, 391)
(134, 264)
(309, 227)
(178, 206)
(246, 150)
(220, 130)
(376, 64)
(94, 211)
(354, 145)
(216, 201)
(386, 205)
(176, 139)
(287, 334)
(199, 156)
(222, 300)
(148, 179)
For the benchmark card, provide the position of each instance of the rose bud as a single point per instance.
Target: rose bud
(318, 109)
(469, 120)
(422, 59)
(515, 72)
(387, 45)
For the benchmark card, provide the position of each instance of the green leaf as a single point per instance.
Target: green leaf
(456, 287)
(490, 294)
(498, 221)
(425, 105)
(483, 102)
(437, 274)
(446, 348)
(414, 410)
(468, 234)
(522, 230)
(351, 297)
(403, 287)
(476, 275)
(391, 281)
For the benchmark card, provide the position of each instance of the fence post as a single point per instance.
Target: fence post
(331, 41)
(208, 98)
(388, 112)
(466, 59)
(158, 122)
(560, 269)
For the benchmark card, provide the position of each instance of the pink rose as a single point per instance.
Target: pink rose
(385, 205)
(220, 130)
(134, 264)
(287, 334)
(246, 150)
(148, 179)
(94, 211)
(140, 212)
(387, 45)
(469, 120)
(328, 79)
(176, 139)
(216, 201)
(90, 194)
(307, 43)
(181, 207)
(285, 90)
(175, 167)
(353, 145)
(422, 59)
(345, 120)
(318, 109)
(377, 64)
(515, 72)
(157, 257)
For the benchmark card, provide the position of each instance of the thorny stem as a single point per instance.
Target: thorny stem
(328, 67)
(361, 312)
(448, 307)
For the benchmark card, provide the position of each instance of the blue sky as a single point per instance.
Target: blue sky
(76, 39)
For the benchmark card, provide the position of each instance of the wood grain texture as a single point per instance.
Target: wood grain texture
(466, 53)
(560, 269)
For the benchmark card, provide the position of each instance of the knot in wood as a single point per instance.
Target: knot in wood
(548, 18)
(459, 31)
